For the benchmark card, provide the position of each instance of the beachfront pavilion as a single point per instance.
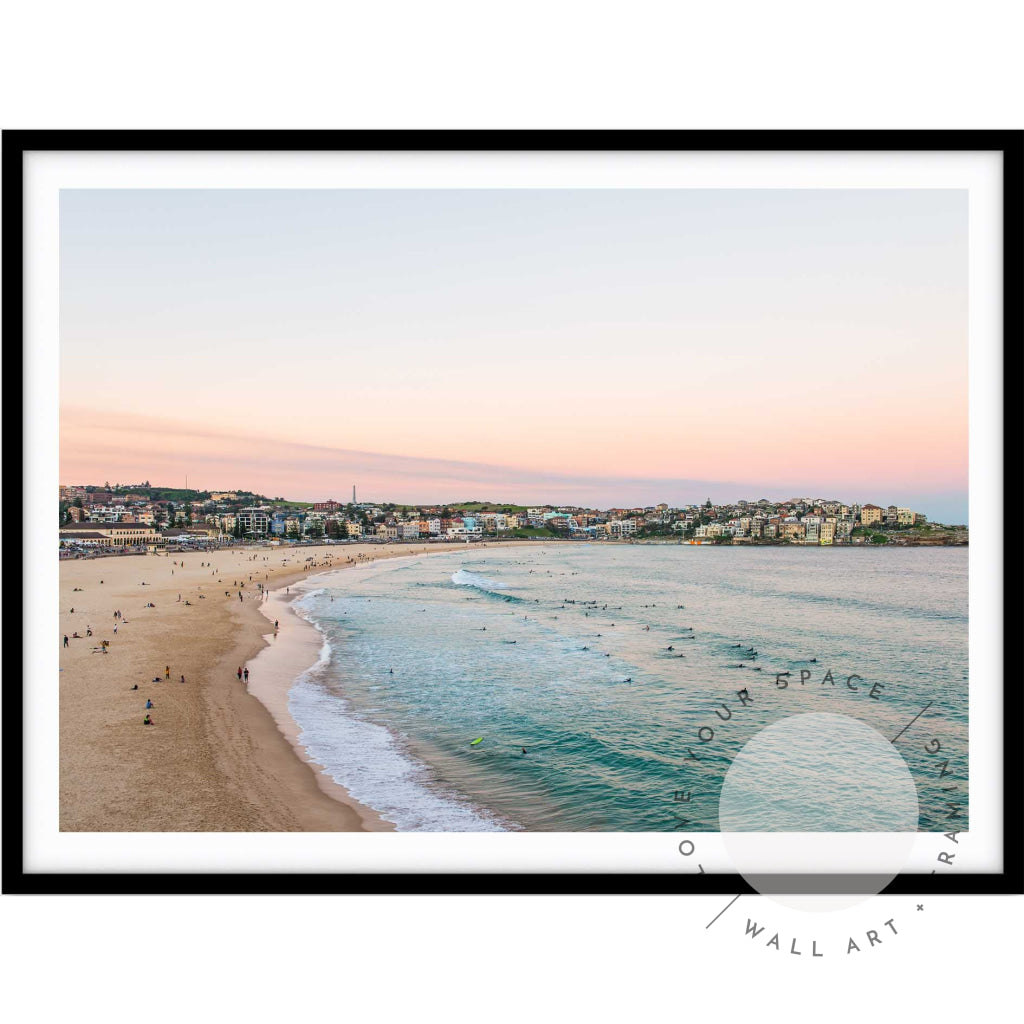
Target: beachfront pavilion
(110, 535)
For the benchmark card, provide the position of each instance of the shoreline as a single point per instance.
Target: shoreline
(216, 759)
(287, 653)
(293, 650)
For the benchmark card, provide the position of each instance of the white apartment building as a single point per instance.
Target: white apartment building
(621, 527)
(254, 520)
(812, 529)
(464, 532)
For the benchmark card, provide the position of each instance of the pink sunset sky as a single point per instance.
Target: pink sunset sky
(585, 347)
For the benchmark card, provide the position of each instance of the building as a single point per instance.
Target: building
(180, 536)
(870, 514)
(110, 535)
(793, 530)
(621, 528)
(812, 529)
(326, 506)
(905, 517)
(461, 532)
(314, 526)
(255, 520)
(827, 531)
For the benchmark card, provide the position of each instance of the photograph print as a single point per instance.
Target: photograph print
(513, 510)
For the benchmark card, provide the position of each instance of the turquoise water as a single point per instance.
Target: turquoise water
(617, 668)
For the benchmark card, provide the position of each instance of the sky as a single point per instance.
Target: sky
(592, 347)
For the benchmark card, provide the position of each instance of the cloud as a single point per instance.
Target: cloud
(98, 446)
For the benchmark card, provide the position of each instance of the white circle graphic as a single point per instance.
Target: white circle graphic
(818, 811)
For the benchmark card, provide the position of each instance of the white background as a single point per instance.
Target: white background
(528, 65)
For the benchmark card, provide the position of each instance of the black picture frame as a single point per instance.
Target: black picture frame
(15, 146)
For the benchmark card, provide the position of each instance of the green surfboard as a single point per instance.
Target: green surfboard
(475, 742)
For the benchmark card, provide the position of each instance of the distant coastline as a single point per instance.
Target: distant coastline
(139, 517)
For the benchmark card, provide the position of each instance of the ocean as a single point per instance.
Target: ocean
(618, 669)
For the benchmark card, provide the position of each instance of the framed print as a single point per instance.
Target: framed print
(606, 512)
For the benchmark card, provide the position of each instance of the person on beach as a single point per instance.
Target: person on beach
(183, 679)
(147, 720)
(239, 673)
(135, 687)
(150, 704)
(167, 672)
(276, 622)
(246, 674)
(65, 639)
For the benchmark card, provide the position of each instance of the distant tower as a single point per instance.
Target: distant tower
(353, 494)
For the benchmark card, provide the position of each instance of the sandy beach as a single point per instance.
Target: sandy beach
(216, 758)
